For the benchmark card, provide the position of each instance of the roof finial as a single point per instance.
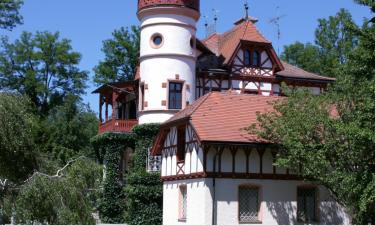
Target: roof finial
(246, 5)
(216, 18)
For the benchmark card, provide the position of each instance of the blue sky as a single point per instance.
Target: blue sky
(88, 22)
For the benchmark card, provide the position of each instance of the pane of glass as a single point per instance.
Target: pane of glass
(178, 87)
(249, 204)
(247, 57)
(158, 40)
(255, 58)
(172, 86)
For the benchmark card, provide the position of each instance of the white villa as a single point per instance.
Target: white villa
(204, 93)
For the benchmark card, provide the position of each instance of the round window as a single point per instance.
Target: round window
(157, 41)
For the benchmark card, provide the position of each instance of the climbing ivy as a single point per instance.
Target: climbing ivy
(109, 148)
(144, 190)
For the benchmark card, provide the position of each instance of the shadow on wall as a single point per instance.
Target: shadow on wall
(329, 213)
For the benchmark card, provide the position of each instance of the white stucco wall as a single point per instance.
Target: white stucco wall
(174, 58)
(198, 202)
(278, 203)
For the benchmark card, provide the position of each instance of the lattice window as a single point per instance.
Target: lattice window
(248, 204)
(153, 162)
(307, 204)
(182, 203)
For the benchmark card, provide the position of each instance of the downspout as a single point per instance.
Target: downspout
(214, 210)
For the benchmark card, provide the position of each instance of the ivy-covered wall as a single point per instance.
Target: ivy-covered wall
(109, 148)
(138, 200)
(144, 191)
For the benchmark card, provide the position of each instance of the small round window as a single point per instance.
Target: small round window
(157, 41)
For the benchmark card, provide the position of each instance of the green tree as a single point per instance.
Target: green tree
(121, 57)
(18, 157)
(304, 56)
(9, 13)
(61, 198)
(331, 138)
(43, 67)
(67, 130)
(334, 41)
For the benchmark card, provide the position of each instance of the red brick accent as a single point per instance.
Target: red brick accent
(177, 76)
(164, 85)
(164, 103)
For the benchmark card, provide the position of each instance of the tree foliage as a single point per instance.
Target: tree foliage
(9, 13)
(17, 147)
(67, 130)
(58, 199)
(334, 40)
(331, 137)
(42, 66)
(121, 57)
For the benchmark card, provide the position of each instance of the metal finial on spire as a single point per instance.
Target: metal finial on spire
(206, 25)
(246, 5)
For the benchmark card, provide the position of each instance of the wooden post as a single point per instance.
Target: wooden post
(100, 109)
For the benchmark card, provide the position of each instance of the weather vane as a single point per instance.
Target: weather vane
(246, 5)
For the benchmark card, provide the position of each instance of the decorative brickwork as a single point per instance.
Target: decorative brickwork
(192, 4)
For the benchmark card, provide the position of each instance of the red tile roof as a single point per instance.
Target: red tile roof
(222, 117)
(226, 44)
(291, 71)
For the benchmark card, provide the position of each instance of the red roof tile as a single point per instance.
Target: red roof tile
(226, 44)
(291, 71)
(222, 117)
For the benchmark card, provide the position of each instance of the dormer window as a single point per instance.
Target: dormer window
(251, 58)
(255, 59)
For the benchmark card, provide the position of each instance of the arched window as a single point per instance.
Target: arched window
(247, 56)
(255, 59)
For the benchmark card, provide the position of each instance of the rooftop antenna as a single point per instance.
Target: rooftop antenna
(206, 23)
(246, 5)
(276, 22)
(211, 28)
(216, 18)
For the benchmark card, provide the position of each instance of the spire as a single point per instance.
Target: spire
(246, 5)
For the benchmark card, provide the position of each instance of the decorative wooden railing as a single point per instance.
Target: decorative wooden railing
(193, 4)
(117, 126)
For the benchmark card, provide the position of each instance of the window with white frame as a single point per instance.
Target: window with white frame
(249, 204)
(182, 203)
(307, 204)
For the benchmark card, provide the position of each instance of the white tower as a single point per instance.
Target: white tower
(167, 57)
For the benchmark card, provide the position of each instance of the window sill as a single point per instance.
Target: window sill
(253, 222)
(182, 220)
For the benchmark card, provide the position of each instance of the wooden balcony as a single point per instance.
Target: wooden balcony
(111, 125)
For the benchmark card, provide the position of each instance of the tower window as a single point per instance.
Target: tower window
(175, 95)
(142, 97)
(157, 40)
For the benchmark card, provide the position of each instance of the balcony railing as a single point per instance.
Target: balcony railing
(193, 4)
(117, 126)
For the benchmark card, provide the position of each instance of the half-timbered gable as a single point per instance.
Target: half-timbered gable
(243, 60)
